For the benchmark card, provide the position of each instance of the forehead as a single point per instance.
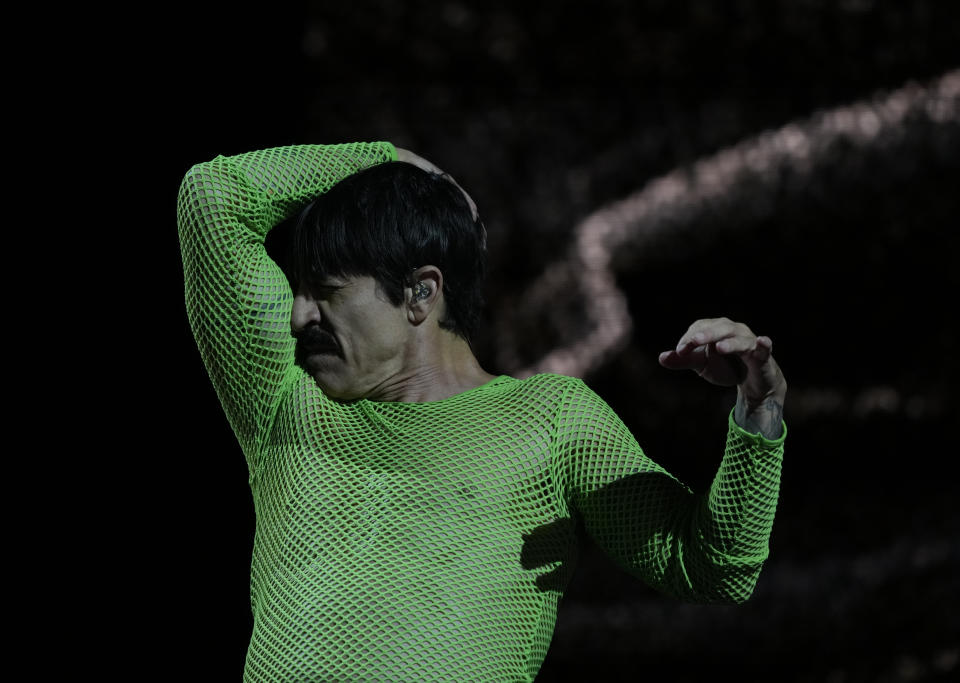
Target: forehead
(345, 286)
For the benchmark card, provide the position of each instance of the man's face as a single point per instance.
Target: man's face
(350, 338)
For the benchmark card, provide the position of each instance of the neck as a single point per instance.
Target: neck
(439, 369)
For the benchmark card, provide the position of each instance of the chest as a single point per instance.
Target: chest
(409, 478)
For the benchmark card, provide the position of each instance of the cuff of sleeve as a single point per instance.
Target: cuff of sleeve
(757, 439)
(392, 150)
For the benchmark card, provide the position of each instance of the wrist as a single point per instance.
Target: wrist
(762, 416)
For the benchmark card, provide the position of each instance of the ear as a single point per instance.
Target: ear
(423, 294)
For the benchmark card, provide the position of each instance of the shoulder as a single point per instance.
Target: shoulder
(574, 404)
(552, 389)
(545, 382)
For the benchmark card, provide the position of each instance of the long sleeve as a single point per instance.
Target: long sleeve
(238, 300)
(696, 547)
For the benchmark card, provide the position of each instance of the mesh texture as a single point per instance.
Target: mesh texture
(428, 541)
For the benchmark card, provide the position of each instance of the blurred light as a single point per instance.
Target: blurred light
(793, 588)
(868, 402)
(742, 179)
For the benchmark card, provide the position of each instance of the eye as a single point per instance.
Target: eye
(324, 291)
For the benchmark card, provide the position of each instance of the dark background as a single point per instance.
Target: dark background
(546, 113)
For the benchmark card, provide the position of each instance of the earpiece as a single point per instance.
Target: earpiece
(420, 291)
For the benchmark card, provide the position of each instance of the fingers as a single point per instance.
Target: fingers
(716, 368)
(727, 353)
(710, 331)
(674, 361)
(748, 347)
(693, 358)
(721, 336)
(470, 202)
(418, 161)
(762, 351)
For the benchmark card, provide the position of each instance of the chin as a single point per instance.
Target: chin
(334, 390)
(335, 379)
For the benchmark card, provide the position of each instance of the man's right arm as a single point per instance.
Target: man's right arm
(238, 300)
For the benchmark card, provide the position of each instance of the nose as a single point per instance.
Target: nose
(305, 311)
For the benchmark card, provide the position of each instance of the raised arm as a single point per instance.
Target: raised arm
(238, 300)
(705, 547)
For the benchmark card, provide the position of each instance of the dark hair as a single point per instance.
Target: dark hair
(385, 222)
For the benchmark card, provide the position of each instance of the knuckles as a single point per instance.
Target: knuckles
(719, 325)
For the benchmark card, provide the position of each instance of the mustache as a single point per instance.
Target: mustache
(314, 339)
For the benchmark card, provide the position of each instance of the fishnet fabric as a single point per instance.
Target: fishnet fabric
(428, 541)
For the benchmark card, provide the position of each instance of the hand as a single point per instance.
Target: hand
(727, 353)
(418, 161)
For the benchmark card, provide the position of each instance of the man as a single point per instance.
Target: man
(414, 512)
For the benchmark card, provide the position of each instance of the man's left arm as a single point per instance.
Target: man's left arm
(736, 522)
(706, 547)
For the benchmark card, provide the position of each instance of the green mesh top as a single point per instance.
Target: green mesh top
(428, 541)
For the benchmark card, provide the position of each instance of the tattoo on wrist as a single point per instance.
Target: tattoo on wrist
(764, 418)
